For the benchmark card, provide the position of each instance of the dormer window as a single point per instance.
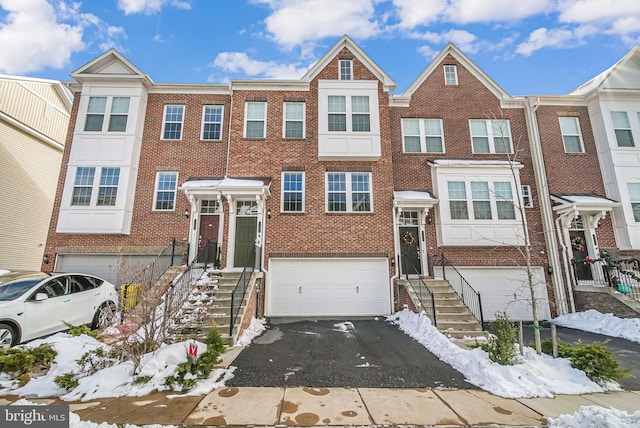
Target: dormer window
(346, 69)
(450, 75)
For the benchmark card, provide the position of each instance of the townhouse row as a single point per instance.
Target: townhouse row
(345, 187)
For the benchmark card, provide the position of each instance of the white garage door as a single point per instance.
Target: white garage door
(328, 287)
(507, 289)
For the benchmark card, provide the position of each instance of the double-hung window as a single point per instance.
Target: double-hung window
(488, 200)
(349, 114)
(622, 128)
(165, 192)
(255, 119)
(571, 137)
(422, 135)
(346, 69)
(108, 189)
(118, 108)
(349, 192)
(293, 191)
(450, 75)
(294, 119)
(634, 198)
(527, 197)
(212, 122)
(490, 136)
(83, 186)
(172, 123)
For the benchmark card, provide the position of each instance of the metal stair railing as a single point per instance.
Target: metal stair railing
(241, 288)
(467, 294)
(424, 295)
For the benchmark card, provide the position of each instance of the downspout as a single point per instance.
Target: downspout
(226, 168)
(396, 260)
(544, 199)
(566, 263)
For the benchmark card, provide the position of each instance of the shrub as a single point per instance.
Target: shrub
(67, 381)
(595, 359)
(194, 369)
(501, 346)
(26, 360)
(77, 330)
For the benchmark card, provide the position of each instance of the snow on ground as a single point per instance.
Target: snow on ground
(596, 416)
(607, 324)
(534, 376)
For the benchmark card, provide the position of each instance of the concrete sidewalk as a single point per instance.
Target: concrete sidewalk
(339, 406)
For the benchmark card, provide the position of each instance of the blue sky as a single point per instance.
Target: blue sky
(527, 46)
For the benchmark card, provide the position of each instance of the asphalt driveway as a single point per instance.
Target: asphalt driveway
(360, 353)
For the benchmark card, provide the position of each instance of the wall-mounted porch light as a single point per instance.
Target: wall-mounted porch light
(186, 213)
(269, 213)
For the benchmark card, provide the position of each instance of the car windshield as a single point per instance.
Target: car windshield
(14, 285)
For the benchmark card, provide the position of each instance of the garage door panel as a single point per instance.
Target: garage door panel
(325, 287)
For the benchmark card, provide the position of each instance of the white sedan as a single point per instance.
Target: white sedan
(36, 304)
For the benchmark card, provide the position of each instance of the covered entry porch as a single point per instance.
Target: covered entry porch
(227, 216)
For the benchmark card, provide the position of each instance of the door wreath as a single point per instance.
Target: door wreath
(408, 238)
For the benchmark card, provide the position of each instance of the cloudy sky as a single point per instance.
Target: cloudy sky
(526, 46)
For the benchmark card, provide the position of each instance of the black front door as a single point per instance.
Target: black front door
(246, 228)
(410, 250)
(580, 253)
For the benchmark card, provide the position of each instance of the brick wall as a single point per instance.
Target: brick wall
(603, 302)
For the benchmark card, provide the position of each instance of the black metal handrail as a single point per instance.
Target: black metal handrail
(241, 288)
(423, 294)
(467, 294)
(621, 275)
(159, 265)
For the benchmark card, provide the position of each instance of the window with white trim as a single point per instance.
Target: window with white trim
(488, 200)
(490, 136)
(255, 125)
(622, 128)
(294, 119)
(209, 206)
(212, 122)
(172, 122)
(422, 135)
(292, 192)
(108, 188)
(97, 107)
(634, 199)
(450, 75)
(349, 114)
(571, 136)
(349, 192)
(164, 198)
(527, 197)
(83, 186)
(346, 69)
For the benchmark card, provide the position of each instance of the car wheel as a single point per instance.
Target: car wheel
(105, 316)
(7, 336)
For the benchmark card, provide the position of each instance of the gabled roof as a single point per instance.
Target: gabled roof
(111, 65)
(620, 76)
(55, 85)
(452, 50)
(345, 42)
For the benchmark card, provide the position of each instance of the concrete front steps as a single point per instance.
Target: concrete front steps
(453, 318)
(212, 310)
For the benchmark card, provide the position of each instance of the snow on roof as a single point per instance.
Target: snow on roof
(587, 199)
(411, 195)
(224, 182)
(469, 162)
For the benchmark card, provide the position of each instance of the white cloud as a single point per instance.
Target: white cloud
(616, 17)
(413, 13)
(240, 63)
(150, 6)
(545, 38)
(296, 23)
(469, 11)
(36, 34)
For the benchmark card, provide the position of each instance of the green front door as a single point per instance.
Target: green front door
(246, 228)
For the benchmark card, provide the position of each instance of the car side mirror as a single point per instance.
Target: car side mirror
(41, 296)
